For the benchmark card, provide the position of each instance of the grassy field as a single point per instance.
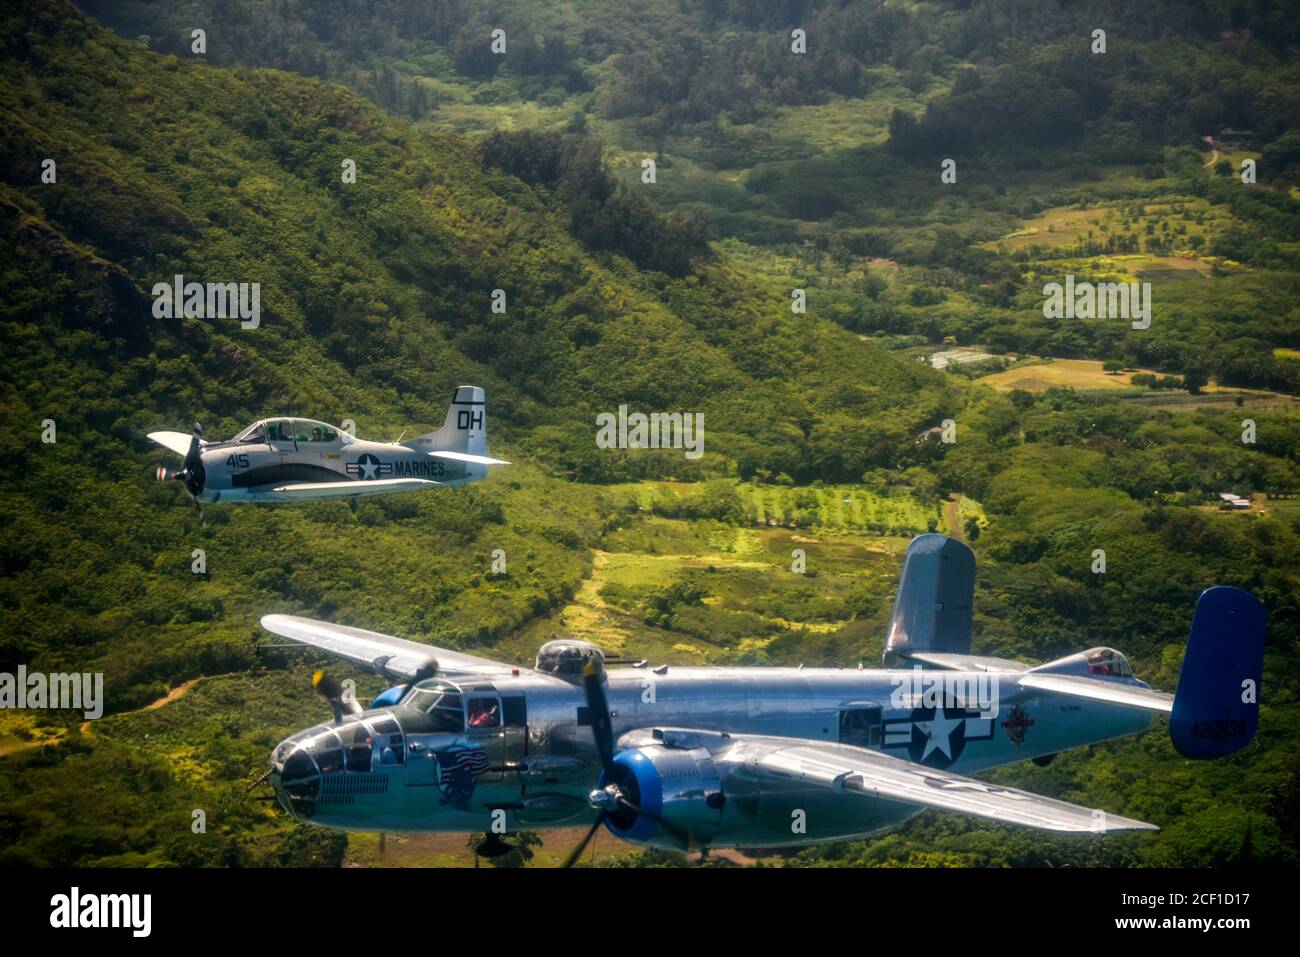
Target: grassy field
(1089, 374)
(843, 507)
(1062, 226)
(1066, 373)
(452, 850)
(1186, 223)
(1175, 401)
(20, 730)
(836, 506)
(747, 603)
(845, 122)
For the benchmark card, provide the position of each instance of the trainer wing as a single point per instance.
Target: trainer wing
(349, 488)
(383, 654)
(853, 771)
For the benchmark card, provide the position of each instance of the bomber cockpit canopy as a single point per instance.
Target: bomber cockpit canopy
(442, 704)
(1108, 663)
(566, 657)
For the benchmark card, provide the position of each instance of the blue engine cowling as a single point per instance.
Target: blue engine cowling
(680, 787)
(389, 698)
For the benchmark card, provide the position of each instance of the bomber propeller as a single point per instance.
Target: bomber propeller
(427, 670)
(332, 692)
(610, 799)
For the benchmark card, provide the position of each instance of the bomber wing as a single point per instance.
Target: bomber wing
(383, 654)
(851, 771)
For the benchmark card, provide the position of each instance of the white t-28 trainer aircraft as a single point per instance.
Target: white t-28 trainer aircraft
(694, 757)
(290, 459)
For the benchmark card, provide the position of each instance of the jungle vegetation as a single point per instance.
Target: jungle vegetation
(376, 302)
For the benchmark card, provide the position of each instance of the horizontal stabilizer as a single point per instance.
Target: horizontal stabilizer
(965, 662)
(1096, 689)
(466, 457)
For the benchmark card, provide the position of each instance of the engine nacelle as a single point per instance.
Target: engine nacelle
(677, 788)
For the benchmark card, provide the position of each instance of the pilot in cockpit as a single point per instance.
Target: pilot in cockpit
(482, 713)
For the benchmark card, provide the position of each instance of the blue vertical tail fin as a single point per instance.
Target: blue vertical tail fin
(1216, 706)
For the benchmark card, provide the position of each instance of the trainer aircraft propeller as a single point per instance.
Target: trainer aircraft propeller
(699, 757)
(192, 473)
(288, 459)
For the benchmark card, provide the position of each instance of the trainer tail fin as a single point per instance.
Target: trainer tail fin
(464, 429)
(462, 439)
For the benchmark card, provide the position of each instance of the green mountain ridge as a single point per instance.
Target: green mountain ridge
(823, 166)
(390, 277)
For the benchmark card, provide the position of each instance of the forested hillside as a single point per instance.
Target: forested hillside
(825, 165)
(475, 175)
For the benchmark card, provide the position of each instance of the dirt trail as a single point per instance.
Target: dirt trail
(1214, 155)
(168, 698)
(952, 516)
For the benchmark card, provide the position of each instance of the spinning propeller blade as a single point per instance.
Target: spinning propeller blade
(427, 670)
(593, 685)
(611, 796)
(191, 474)
(602, 730)
(582, 845)
(332, 692)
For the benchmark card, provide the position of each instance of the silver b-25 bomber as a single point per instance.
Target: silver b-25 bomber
(763, 757)
(288, 459)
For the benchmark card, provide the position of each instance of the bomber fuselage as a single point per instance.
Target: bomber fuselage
(457, 756)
